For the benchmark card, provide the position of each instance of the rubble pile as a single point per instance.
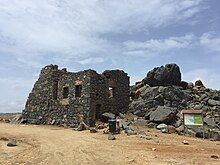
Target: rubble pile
(161, 96)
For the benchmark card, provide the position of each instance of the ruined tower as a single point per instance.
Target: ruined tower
(59, 96)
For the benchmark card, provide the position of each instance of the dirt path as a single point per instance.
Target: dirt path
(52, 145)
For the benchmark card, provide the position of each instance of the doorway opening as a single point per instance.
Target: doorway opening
(98, 112)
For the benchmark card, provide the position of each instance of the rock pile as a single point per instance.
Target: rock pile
(15, 118)
(160, 97)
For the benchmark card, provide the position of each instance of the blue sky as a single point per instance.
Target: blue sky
(133, 35)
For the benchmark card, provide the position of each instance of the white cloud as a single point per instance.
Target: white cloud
(158, 46)
(73, 28)
(34, 33)
(210, 41)
(14, 93)
(11, 106)
(91, 61)
(134, 79)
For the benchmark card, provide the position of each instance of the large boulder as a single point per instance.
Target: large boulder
(152, 97)
(199, 83)
(163, 114)
(142, 107)
(160, 93)
(213, 102)
(162, 76)
(210, 122)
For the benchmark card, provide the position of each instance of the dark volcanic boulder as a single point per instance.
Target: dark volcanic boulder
(162, 93)
(199, 83)
(152, 97)
(161, 76)
(163, 114)
(210, 122)
(141, 107)
(213, 102)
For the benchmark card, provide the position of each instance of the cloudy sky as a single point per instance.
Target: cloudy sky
(133, 35)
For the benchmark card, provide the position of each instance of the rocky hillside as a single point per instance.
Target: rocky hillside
(9, 117)
(161, 95)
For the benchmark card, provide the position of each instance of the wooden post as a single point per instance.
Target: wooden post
(184, 127)
(203, 127)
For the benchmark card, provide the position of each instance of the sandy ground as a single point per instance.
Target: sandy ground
(49, 145)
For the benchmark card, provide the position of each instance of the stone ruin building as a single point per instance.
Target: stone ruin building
(61, 97)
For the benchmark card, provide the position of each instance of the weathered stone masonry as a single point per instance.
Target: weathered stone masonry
(60, 97)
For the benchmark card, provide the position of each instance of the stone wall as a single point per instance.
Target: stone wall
(60, 97)
(117, 80)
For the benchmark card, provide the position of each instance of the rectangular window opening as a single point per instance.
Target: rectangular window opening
(111, 91)
(55, 90)
(65, 92)
(78, 90)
